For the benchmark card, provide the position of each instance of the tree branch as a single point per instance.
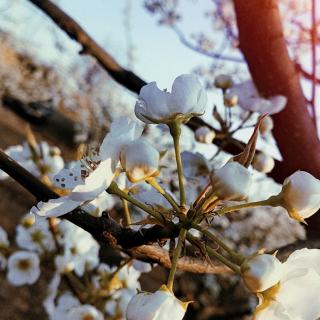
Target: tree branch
(124, 77)
(107, 231)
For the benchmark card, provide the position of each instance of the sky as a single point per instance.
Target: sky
(158, 54)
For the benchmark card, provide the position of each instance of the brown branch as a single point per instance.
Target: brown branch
(124, 77)
(313, 40)
(306, 74)
(189, 264)
(106, 230)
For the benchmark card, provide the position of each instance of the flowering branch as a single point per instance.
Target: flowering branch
(106, 230)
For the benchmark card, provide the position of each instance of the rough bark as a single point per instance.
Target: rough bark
(263, 44)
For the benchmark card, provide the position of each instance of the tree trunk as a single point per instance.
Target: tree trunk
(263, 44)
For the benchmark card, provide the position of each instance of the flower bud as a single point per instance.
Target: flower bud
(161, 305)
(266, 125)
(223, 81)
(300, 195)
(231, 182)
(261, 272)
(230, 99)
(204, 135)
(263, 163)
(140, 160)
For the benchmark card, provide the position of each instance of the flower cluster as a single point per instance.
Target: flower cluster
(182, 190)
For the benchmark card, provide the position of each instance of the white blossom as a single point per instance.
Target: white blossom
(187, 98)
(52, 290)
(64, 304)
(49, 162)
(160, 305)
(263, 162)
(261, 272)
(122, 132)
(81, 251)
(231, 182)
(102, 202)
(266, 125)
(90, 186)
(23, 268)
(204, 135)
(250, 100)
(35, 237)
(140, 160)
(296, 296)
(194, 164)
(300, 195)
(223, 81)
(230, 99)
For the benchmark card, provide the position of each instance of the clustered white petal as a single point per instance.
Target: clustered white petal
(160, 305)
(250, 100)
(296, 295)
(23, 268)
(300, 195)
(231, 182)
(187, 98)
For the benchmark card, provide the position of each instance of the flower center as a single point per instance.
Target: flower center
(37, 236)
(87, 316)
(24, 264)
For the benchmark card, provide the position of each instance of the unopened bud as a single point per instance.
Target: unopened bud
(231, 182)
(263, 163)
(230, 99)
(140, 160)
(204, 135)
(266, 125)
(223, 81)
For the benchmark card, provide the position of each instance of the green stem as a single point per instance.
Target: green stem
(236, 257)
(272, 201)
(196, 242)
(114, 189)
(175, 258)
(153, 182)
(126, 210)
(175, 130)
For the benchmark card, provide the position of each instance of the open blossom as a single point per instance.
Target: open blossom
(231, 182)
(261, 272)
(81, 251)
(300, 195)
(64, 304)
(160, 305)
(23, 268)
(122, 132)
(49, 162)
(187, 99)
(84, 182)
(91, 176)
(35, 237)
(250, 100)
(140, 160)
(296, 296)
